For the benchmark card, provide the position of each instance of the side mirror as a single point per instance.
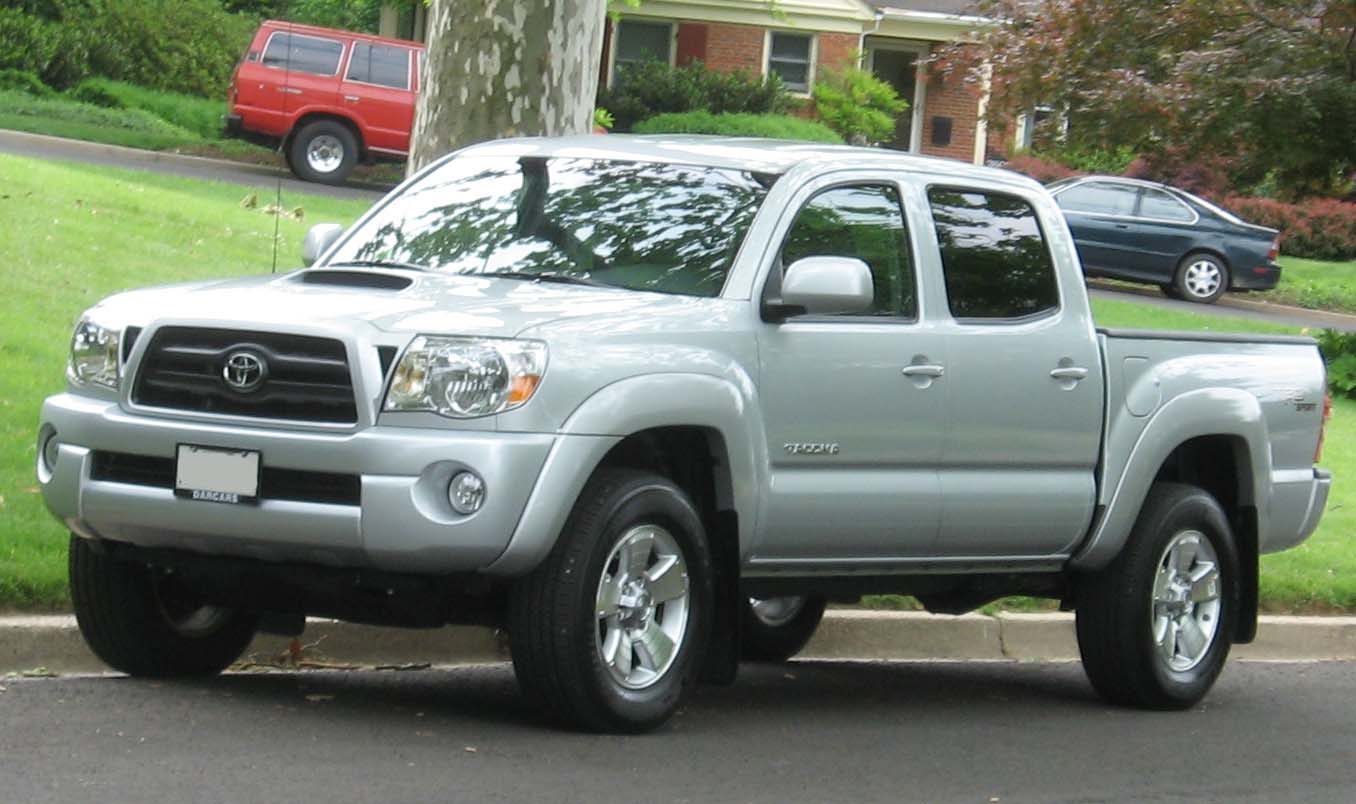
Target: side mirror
(319, 238)
(823, 286)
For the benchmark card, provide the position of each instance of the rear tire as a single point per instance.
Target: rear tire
(139, 621)
(1201, 278)
(1155, 626)
(323, 151)
(608, 633)
(775, 629)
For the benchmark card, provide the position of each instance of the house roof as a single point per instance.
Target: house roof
(966, 8)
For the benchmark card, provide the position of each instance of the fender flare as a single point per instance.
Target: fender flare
(630, 406)
(1205, 412)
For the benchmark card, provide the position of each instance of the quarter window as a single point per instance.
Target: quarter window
(1099, 199)
(788, 58)
(994, 258)
(303, 54)
(865, 222)
(380, 64)
(641, 42)
(1160, 205)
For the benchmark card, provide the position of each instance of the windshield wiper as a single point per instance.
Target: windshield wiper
(563, 279)
(409, 266)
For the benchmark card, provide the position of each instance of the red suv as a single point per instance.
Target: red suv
(331, 98)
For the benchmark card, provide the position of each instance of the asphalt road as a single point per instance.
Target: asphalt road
(263, 178)
(806, 732)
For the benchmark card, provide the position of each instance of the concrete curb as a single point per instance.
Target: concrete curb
(54, 643)
(1327, 317)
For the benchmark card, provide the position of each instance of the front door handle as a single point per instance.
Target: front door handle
(290, 90)
(1074, 373)
(924, 370)
(351, 98)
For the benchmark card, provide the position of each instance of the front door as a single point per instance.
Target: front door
(853, 405)
(1025, 386)
(899, 69)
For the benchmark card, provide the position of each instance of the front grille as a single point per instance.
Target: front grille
(306, 379)
(275, 484)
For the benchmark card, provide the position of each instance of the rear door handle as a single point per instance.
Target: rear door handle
(1069, 373)
(290, 90)
(924, 370)
(351, 98)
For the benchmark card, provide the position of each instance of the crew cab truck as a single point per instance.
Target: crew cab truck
(647, 404)
(329, 99)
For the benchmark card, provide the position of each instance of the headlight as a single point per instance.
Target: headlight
(94, 354)
(466, 377)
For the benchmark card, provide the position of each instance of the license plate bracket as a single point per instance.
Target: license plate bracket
(215, 474)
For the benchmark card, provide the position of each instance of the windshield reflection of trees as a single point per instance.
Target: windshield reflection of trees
(994, 258)
(668, 228)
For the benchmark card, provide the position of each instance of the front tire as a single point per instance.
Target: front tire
(775, 629)
(139, 621)
(1155, 626)
(1201, 278)
(323, 151)
(608, 633)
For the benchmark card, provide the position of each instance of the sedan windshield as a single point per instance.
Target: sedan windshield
(638, 225)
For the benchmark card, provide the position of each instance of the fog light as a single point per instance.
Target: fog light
(466, 492)
(48, 450)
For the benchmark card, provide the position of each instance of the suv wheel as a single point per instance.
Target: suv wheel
(776, 628)
(1155, 626)
(323, 151)
(141, 621)
(1201, 278)
(607, 634)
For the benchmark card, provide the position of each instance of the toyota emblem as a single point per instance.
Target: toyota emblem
(244, 371)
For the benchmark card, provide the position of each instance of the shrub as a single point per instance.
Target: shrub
(1339, 352)
(1109, 161)
(201, 116)
(645, 90)
(1203, 176)
(1318, 228)
(182, 45)
(776, 126)
(858, 105)
(1040, 169)
(24, 81)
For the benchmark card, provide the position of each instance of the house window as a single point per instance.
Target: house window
(641, 42)
(788, 57)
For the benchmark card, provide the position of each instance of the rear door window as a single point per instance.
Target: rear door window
(382, 65)
(1161, 206)
(303, 54)
(994, 257)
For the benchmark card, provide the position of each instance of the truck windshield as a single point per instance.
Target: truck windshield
(645, 226)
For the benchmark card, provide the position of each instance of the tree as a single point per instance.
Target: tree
(506, 68)
(1268, 84)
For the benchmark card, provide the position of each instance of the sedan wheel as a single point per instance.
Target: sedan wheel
(1201, 278)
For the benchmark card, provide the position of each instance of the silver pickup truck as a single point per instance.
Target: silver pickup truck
(649, 403)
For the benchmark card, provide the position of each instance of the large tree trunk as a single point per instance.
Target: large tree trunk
(504, 68)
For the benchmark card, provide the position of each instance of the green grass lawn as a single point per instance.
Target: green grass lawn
(70, 235)
(1315, 284)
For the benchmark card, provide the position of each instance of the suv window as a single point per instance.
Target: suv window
(382, 65)
(994, 258)
(1160, 205)
(1100, 199)
(866, 222)
(303, 54)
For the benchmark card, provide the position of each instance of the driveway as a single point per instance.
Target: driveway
(803, 732)
(261, 177)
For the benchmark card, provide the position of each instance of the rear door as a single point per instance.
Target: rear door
(378, 91)
(1025, 386)
(303, 69)
(1101, 217)
(1167, 231)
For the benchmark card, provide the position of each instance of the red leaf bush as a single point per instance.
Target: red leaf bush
(1317, 228)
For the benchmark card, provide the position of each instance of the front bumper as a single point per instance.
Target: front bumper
(401, 521)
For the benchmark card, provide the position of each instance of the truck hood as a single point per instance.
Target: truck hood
(391, 301)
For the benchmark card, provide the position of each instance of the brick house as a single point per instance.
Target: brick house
(797, 38)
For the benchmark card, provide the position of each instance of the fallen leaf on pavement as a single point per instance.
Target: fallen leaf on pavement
(37, 672)
(402, 667)
(319, 698)
(471, 749)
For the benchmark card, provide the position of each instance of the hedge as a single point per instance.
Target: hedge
(1318, 228)
(775, 126)
(652, 88)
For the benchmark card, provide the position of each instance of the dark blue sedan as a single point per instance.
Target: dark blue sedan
(1141, 231)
